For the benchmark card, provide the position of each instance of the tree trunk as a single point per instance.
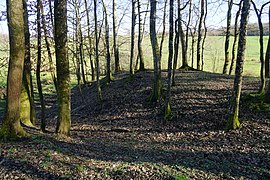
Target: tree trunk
(267, 54)
(188, 22)
(236, 33)
(227, 37)
(27, 111)
(39, 86)
(107, 39)
(233, 121)
(199, 66)
(163, 29)
(62, 67)
(155, 96)
(97, 53)
(205, 33)
(182, 37)
(133, 21)
(170, 57)
(140, 51)
(90, 42)
(115, 45)
(48, 46)
(262, 74)
(11, 127)
(176, 48)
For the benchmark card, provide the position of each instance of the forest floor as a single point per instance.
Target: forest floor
(124, 138)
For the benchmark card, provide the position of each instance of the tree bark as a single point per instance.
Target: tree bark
(133, 21)
(236, 33)
(28, 112)
(267, 54)
(140, 51)
(39, 86)
(199, 66)
(97, 53)
(11, 127)
(170, 57)
(233, 121)
(227, 37)
(62, 67)
(115, 37)
(155, 96)
(205, 33)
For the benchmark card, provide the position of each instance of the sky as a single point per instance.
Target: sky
(215, 19)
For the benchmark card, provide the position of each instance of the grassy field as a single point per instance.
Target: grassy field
(214, 54)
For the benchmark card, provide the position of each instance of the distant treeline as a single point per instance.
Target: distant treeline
(253, 30)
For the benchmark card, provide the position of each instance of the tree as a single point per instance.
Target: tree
(262, 71)
(236, 33)
(156, 93)
(97, 55)
(233, 121)
(267, 54)
(11, 127)
(115, 45)
(62, 67)
(170, 57)
(140, 51)
(199, 66)
(227, 37)
(40, 91)
(107, 39)
(27, 111)
(133, 21)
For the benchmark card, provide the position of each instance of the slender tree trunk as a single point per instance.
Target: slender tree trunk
(48, 46)
(236, 33)
(80, 40)
(107, 39)
(155, 96)
(227, 37)
(267, 54)
(170, 57)
(115, 45)
(140, 51)
(262, 74)
(205, 33)
(182, 38)
(176, 47)
(27, 111)
(97, 53)
(62, 67)
(90, 41)
(39, 86)
(188, 22)
(233, 121)
(133, 21)
(163, 29)
(11, 127)
(199, 65)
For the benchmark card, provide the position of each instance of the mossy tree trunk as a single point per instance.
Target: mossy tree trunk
(227, 37)
(11, 127)
(155, 96)
(62, 67)
(170, 57)
(236, 33)
(27, 111)
(233, 121)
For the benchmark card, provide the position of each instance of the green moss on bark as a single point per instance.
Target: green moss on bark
(233, 123)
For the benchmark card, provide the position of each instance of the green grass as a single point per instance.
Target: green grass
(214, 54)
